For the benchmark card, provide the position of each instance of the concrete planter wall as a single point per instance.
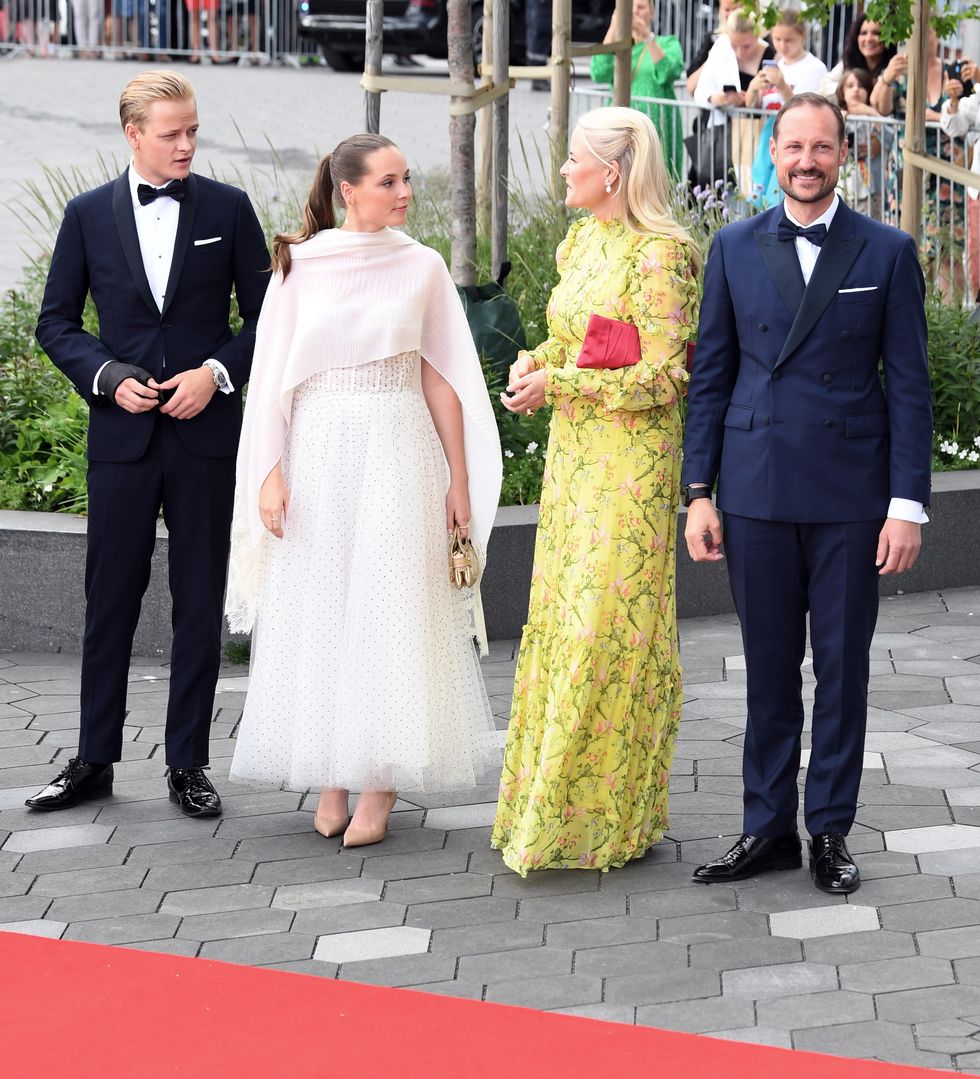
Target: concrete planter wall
(42, 558)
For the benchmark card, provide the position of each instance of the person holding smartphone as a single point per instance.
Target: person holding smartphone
(958, 117)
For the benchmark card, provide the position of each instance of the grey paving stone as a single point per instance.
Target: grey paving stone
(893, 891)
(913, 972)
(893, 817)
(785, 980)
(720, 925)
(662, 987)
(931, 915)
(602, 932)
(959, 943)
(276, 848)
(184, 852)
(468, 839)
(879, 1039)
(439, 888)
(89, 881)
(885, 863)
(680, 902)
(559, 991)
(260, 949)
(404, 866)
(747, 952)
(494, 937)
(123, 929)
(266, 824)
(169, 946)
(12, 885)
(79, 908)
(352, 918)
(306, 870)
(951, 863)
(178, 878)
(216, 900)
(815, 1010)
(316, 967)
(22, 908)
(239, 923)
(638, 958)
(947, 1036)
(967, 970)
(775, 893)
(570, 908)
(547, 883)
(644, 876)
(716, 1013)
(56, 838)
(919, 1005)
(607, 1013)
(36, 927)
(451, 988)
(874, 794)
(400, 970)
(455, 912)
(163, 831)
(327, 893)
(519, 963)
(781, 1039)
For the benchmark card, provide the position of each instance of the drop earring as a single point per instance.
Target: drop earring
(608, 188)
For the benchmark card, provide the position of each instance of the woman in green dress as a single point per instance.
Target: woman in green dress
(656, 63)
(597, 693)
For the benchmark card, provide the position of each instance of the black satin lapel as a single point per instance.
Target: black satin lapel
(185, 225)
(784, 269)
(837, 256)
(122, 210)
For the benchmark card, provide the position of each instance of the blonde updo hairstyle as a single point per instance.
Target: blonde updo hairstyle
(347, 164)
(738, 22)
(625, 139)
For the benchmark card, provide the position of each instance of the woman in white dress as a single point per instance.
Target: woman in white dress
(368, 434)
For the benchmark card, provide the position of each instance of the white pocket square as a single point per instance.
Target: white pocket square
(863, 288)
(212, 240)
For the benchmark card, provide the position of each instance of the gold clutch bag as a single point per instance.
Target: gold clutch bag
(464, 567)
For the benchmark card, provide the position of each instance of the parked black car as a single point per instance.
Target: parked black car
(419, 27)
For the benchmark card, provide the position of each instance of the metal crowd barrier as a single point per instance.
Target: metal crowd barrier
(209, 31)
(870, 181)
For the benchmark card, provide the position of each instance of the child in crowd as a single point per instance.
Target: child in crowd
(860, 177)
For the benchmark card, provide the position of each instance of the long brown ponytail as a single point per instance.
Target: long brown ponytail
(348, 162)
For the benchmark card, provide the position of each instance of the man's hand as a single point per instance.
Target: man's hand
(703, 531)
(898, 546)
(193, 391)
(134, 397)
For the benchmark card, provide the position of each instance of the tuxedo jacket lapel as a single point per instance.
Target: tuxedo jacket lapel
(185, 225)
(840, 249)
(783, 265)
(122, 211)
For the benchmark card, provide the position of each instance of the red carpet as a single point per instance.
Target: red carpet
(86, 1010)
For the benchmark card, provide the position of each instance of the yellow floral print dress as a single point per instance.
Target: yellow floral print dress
(597, 694)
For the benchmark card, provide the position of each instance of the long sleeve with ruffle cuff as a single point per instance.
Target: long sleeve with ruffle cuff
(661, 300)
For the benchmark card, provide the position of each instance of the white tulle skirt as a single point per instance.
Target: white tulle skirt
(363, 672)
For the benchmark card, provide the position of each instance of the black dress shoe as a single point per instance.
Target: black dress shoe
(193, 792)
(752, 854)
(831, 865)
(77, 783)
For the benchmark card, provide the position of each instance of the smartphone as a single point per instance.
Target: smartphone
(770, 63)
(955, 71)
(729, 89)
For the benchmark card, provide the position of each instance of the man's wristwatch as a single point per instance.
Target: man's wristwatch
(220, 378)
(689, 494)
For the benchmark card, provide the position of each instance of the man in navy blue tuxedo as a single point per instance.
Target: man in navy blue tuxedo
(822, 474)
(160, 251)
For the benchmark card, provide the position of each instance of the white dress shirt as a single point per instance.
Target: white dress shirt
(902, 509)
(156, 228)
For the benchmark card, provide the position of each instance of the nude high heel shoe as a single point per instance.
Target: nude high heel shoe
(365, 837)
(328, 825)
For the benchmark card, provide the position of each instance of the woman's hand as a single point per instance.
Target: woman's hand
(458, 507)
(527, 393)
(274, 501)
(897, 66)
(522, 366)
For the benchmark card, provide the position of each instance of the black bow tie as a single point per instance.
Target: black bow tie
(174, 190)
(816, 234)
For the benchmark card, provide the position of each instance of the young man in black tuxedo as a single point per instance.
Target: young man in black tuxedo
(160, 250)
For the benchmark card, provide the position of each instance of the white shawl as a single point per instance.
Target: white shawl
(352, 298)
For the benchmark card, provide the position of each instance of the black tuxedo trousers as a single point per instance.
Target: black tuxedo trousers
(125, 498)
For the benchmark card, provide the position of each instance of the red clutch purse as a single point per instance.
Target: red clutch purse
(609, 344)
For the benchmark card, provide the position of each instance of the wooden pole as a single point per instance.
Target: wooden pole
(622, 71)
(561, 31)
(373, 51)
(915, 121)
(500, 110)
(484, 179)
(459, 43)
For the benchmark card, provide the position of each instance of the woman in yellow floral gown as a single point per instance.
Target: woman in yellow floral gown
(597, 694)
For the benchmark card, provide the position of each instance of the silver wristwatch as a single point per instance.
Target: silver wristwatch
(217, 373)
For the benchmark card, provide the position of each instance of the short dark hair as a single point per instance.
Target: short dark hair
(816, 101)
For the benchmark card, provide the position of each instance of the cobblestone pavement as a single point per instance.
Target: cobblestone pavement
(892, 972)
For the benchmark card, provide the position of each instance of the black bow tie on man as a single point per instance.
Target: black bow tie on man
(174, 190)
(786, 230)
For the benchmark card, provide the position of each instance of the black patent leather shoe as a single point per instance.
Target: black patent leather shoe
(752, 854)
(191, 789)
(831, 865)
(77, 783)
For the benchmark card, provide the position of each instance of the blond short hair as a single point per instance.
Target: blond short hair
(150, 86)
